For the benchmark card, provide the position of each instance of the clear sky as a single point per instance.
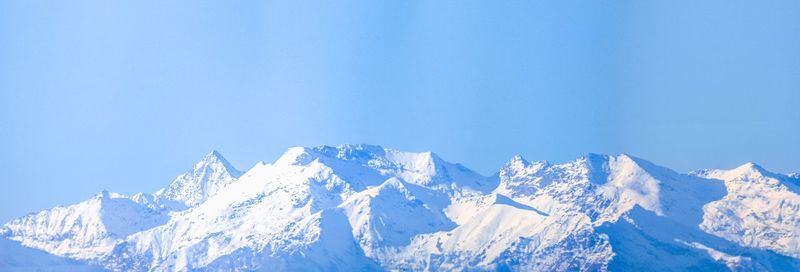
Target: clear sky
(125, 95)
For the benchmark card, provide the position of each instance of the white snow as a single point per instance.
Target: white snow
(17, 258)
(206, 178)
(761, 209)
(365, 207)
(86, 230)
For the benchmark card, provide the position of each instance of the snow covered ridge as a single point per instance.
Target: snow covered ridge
(364, 207)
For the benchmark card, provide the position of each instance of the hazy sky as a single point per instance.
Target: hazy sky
(125, 95)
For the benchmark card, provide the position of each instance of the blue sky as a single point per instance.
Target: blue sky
(125, 95)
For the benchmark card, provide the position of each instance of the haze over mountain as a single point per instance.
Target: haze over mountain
(365, 207)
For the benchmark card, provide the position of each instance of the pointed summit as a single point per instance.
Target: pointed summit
(377, 163)
(353, 152)
(204, 180)
(518, 165)
(751, 166)
(746, 171)
(517, 161)
(214, 157)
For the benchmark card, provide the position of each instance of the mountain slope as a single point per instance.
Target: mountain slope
(207, 177)
(303, 183)
(92, 228)
(365, 207)
(17, 258)
(761, 209)
(85, 230)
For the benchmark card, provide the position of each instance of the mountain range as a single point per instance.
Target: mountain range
(369, 208)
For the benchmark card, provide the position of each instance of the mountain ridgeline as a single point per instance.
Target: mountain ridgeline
(369, 208)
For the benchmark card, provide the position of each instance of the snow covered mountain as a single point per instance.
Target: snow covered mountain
(15, 257)
(364, 207)
(204, 180)
(86, 230)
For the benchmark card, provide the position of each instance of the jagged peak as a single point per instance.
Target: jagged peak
(206, 177)
(343, 151)
(744, 170)
(604, 157)
(367, 152)
(215, 154)
(519, 165)
(213, 158)
(360, 153)
(601, 159)
(598, 166)
(348, 152)
(393, 211)
(750, 167)
(106, 195)
(420, 168)
(360, 148)
(595, 167)
(517, 161)
(294, 155)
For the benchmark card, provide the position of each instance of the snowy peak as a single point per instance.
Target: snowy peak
(761, 209)
(604, 186)
(601, 169)
(214, 159)
(750, 173)
(749, 168)
(208, 176)
(593, 168)
(598, 167)
(516, 162)
(86, 229)
(518, 165)
(627, 181)
(358, 153)
(374, 164)
(519, 176)
(365, 207)
(380, 216)
(295, 156)
(352, 152)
